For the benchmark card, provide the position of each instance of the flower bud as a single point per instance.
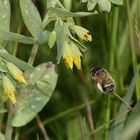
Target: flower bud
(82, 33)
(52, 39)
(9, 88)
(16, 72)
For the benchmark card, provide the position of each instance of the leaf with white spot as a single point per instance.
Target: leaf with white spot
(4, 15)
(30, 101)
(31, 18)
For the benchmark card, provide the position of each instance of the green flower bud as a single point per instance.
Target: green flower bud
(16, 72)
(52, 39)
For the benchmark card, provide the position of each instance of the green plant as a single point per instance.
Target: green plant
(52, 32)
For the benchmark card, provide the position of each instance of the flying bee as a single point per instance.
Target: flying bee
(103, 79)
(105, 83)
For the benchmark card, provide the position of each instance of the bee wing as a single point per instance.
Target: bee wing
(118, 72)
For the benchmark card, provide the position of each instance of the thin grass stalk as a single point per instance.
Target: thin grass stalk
(111, 64)
(132, 43)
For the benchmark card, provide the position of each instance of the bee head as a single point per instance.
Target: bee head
(98, 72)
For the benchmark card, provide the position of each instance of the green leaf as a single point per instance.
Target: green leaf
(132, 125)
(3, 67)
(31, 18)
(61, 30)
(32, 100)
(1, 136)
(57, 12)
(118, 2)
(119, 123)
(91, 4)
(5, 15)
(19, 63)
(105, 5)
(9, 36)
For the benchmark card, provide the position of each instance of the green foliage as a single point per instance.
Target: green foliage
(120, 122)
(131, 128)
(32, 19)
(46, 26)
(31, 100)
(5, 15)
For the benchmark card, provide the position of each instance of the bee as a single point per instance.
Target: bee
(105, 83)
(103, 79)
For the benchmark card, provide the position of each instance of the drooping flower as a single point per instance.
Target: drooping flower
(9, 88)
(16, 72)
(76, 55)
(82, 33)
(67, 55)
(71, 54)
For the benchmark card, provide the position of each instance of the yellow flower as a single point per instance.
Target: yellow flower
(16, 72)
(21, 78)
(67, 55)
(71, 55)
(77, 61)
(68, 61)
(9, 88)
(82, 33)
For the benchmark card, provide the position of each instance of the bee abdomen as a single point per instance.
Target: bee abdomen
(108, 88)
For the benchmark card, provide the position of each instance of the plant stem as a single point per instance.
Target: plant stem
(1, 120)
(42, 128)
(17, 135)
(129, 107)
(33, 53)
(111, 64)
(9, 128)
(110, 121)
(132, 43)
(16, 44)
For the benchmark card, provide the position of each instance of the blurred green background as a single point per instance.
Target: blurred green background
(76, 103)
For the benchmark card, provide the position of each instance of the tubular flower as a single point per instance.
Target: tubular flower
(72, 55)
(9, 88)
(82, 33)
(77, 61)
(16, 72)
(67, 55)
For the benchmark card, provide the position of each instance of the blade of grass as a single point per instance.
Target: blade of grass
(132, 43)
(111, 64)
(119, 123)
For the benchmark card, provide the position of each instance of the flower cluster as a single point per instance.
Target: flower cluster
(70, 46)
(8, 86)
